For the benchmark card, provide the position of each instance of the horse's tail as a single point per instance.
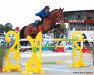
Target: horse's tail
(21, 37)
(22, 32)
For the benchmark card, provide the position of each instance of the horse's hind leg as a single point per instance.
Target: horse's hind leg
(22, 44)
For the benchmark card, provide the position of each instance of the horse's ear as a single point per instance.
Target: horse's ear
(63, 9)
(60, 8)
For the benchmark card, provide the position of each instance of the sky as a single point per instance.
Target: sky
(22, 12)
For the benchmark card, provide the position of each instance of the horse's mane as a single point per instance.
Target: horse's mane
(54, 11)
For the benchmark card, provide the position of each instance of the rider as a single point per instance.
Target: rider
(42, 14)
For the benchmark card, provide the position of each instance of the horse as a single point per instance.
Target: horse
(56, 16)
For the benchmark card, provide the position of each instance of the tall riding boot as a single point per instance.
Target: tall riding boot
(36, 22)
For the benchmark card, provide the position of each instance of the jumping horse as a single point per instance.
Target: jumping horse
(56, 16)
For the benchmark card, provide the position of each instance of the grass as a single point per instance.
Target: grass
(3, 50)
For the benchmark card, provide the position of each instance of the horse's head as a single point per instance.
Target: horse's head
(57, 15)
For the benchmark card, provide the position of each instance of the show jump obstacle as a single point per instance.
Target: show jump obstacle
(34, 64)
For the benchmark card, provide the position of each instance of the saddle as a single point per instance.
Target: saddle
(38, 25)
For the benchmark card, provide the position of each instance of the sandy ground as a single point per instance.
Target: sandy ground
(57, 69)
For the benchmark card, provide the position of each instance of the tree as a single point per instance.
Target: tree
(1, 28)
(7, 27)
(3, 51)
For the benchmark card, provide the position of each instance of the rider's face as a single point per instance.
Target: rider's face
(47, 10)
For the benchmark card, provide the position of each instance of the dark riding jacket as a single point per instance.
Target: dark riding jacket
(43, 14)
